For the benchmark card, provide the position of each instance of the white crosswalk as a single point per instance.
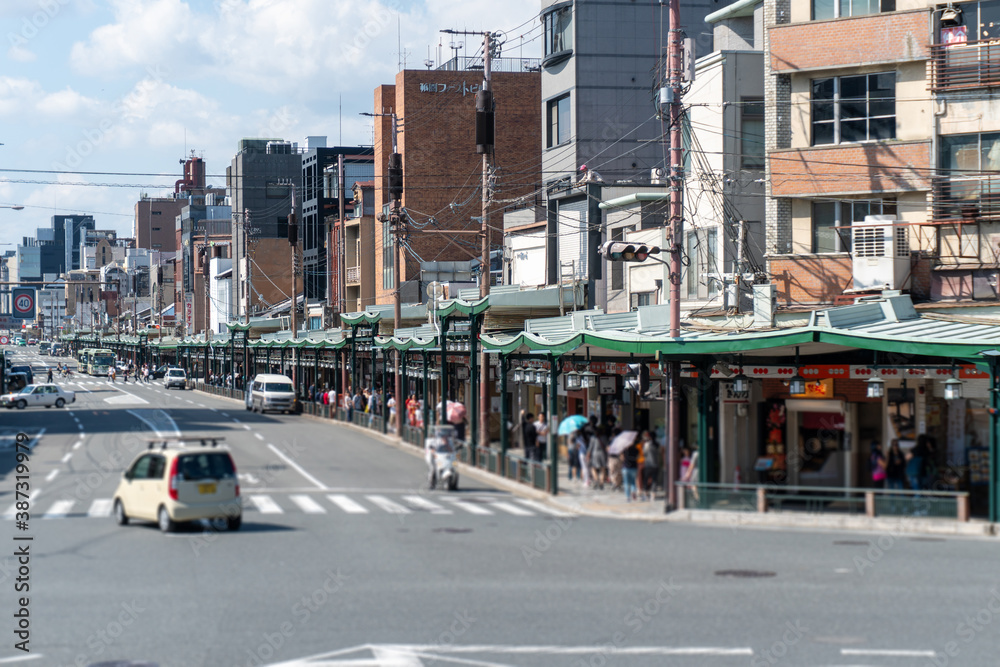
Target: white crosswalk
(339, 504)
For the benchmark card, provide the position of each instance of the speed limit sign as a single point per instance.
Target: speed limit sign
(4, 340)
(24, 302)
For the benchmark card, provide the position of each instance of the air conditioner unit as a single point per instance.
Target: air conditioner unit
(881, 253)
(657, 176)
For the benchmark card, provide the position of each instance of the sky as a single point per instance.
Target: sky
(133, 86)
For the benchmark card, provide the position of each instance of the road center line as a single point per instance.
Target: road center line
(887, 653)
(258, 436)
(52, 475)
(67, 457)
(297, 467)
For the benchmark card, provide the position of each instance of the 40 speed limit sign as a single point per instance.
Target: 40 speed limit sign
(24, 302)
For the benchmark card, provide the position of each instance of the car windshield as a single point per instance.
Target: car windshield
(278, 387)
(27, 390)
(176, 373)
(103, 359)
(205, 466)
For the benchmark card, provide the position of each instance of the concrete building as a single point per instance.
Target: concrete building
(258, 183)
(855, 132)
(441, 168)
(599, 65)
(359, 249)
(320, 201)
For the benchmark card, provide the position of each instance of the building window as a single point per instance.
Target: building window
(827, 216)
(702, 257)
(558, 121)
(834, 9)
(848, 109)
(752, 134)
(156, 213)
(558, 30)
(971, 187)
(156, 229)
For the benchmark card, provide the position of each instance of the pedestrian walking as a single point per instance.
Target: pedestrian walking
(877, 463)
(529, 435)
(597, 458)
(895, 467)
(542, 436)
(651, 464)
(573, 454)
(49, 378)
(615, 465)
(630, 466)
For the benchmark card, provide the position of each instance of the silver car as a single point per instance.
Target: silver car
(175, 377)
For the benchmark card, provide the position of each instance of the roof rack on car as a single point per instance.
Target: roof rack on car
(204, 440)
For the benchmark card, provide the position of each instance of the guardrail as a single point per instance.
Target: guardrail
(820, 499)
(527, 471)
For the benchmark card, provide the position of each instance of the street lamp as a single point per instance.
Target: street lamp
(573, 381)
(16, 207)
(588, 380)
(952, 389)
(518, 375)
(876, 387)
(797, 385)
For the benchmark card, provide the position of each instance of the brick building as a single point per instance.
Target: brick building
(442, 171)
(887, 113)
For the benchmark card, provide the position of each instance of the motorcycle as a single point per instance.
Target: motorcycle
(439, 452)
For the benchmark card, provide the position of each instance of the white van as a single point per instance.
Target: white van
(272, 392)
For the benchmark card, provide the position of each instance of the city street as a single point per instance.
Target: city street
(345, 558)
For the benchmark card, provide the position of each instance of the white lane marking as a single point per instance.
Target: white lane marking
(258, 436)
(80, 426)
(128, 398)
(887, 653)
(12, 510)
(52, 475)
(188, 400)
(7, 661)
(542, 507)
(59, 509)
(284, 457)
(78, 445)
(246, 427)
(224, 414)
(423, 504)
(66, 457)
(201, 405)
(308, 505)
(346, 504)
(100, 507)
(152, 427)
(387, 505)
(265, 504)
(511, 509)
(470, 508)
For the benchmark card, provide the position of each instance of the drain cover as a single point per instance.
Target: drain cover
(452, 530)
(852, 543)
(745, 574)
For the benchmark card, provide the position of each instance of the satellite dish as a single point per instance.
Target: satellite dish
(435, 290)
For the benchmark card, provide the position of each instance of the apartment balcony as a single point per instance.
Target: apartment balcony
(353, 276)
(850, 42)
(965, 66)
(846, 169)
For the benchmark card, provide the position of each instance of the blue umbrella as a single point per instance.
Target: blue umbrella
(571, 423)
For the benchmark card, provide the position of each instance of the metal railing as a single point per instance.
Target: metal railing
(965, 66)
(467, 63)
(958, 199)
(824, 500)
(526, 471)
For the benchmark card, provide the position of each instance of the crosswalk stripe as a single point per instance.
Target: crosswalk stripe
(308, 505)
(12, 510)
(100, 507)
(541, 507)
(59, 509)
(265, 505)
(470, 508)
(384, 503)
(511, 509)
(346, 504)
(422, 503)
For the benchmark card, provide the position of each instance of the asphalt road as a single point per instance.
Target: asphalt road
(345, 559)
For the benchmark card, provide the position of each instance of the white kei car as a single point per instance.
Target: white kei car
(38, 394)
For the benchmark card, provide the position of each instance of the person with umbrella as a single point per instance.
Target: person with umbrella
(571, 426)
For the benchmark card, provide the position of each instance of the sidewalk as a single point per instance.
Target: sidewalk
(576, 499)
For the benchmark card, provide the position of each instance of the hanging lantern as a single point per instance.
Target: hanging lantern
(876, 387)
(518, 375)
(797, 385)
(952, 389)
(588, 380)
(573, 381)
(741, 384)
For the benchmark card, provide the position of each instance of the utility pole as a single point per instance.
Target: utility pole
(484, 145)
(342, 237)
(675, 87)
(293, 240)
(397, 225)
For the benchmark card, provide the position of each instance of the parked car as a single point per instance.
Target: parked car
(175, 377)
(48, 395)
(272, 392)
(174, 485)
(24, 369)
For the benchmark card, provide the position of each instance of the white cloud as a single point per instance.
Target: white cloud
(21, 54)
(66, 103)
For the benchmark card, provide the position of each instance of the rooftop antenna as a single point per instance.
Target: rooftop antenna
(456, 47)
(428, 63)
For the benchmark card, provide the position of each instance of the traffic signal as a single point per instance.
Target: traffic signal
(395, 177)
(638, 378)
(616, 251)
